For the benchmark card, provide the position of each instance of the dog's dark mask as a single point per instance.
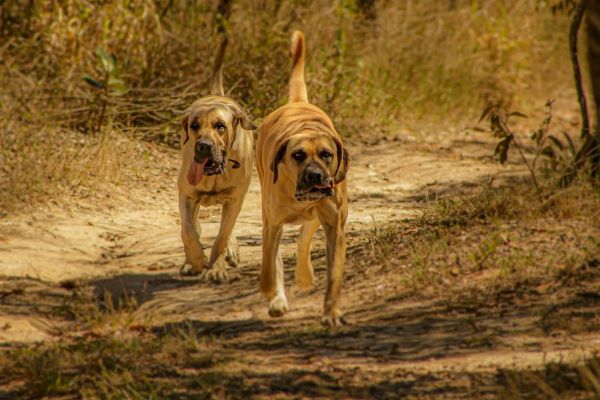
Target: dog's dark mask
(316, 176)
(313, 182)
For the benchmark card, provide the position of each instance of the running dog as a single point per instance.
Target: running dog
(302, 166)
(217, 146)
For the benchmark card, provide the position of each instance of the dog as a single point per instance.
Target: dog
(217, 146)
(302, 166)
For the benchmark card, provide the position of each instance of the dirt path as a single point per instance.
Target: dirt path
(141, 233)
(137, 238)
(130, 244)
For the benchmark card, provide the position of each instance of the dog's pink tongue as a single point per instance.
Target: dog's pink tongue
(196, 172)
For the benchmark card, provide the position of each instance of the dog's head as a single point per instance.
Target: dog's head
(315, 161)
(211, 125)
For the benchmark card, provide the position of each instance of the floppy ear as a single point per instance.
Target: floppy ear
(240, 117)
(277, 159)
(342, 166)
(184, 126)
(245, 122)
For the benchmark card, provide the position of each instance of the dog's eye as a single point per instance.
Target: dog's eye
(299, 155)
(194, 126)
(326, 156)
(220, 127)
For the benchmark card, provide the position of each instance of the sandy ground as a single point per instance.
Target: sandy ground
(87, 239)
(139, 233)
(133, 243)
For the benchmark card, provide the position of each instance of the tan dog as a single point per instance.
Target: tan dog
(302, 166)
(217, 146)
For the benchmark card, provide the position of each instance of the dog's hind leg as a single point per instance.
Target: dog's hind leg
(304, 268)
(271, 274)
(195, 259)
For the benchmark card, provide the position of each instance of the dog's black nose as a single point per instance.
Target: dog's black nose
(313, 176)
(203, 148)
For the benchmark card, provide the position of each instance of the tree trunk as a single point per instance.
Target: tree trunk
(593, 42)
(589, 152)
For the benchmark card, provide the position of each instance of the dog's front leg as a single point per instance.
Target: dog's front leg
(218, 263)
(271, 273)
(304, 269)
(333, 224)
(195, 259)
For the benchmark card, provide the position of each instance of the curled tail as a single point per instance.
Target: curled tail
(297, 84)
(216, 80)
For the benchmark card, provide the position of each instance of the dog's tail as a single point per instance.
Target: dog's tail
(297, 84)
(216, 80)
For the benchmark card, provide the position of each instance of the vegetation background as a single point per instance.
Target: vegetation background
(82, 81)
(491, 274)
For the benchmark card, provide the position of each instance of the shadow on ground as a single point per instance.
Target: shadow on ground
(125, 288)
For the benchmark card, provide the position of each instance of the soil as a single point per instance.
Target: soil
(430, 345)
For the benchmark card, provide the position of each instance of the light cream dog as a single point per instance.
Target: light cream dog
(302, 167)
(217, 147)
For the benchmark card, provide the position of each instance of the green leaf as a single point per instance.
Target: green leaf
(477, 129)
(117, 86)
(557, 143)
(517, 114)
(571, 144)
(108, 62)
(537, 136)
(502, 148)
(549, 152)
(92, 82)
(486, 111)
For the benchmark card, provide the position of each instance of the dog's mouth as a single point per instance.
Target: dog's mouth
(206, 167)
(317, 192)
(213, 168)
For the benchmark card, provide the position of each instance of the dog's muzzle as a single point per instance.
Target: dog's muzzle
(206, 153)
(314, 185)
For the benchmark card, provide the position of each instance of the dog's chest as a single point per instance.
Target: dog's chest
(220, 189)
(213, 198)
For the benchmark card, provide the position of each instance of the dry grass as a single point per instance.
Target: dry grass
(414, 64)
(557, 380)
(417, 63)
(497, 251)
(413, 58)
(136, 367)
(498, 238)
(38, 161)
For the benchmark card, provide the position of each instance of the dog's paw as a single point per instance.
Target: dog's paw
(232, 255)
(188, 269)
(194, 265)
(278, 307)
(216, 274)
(333, 320)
